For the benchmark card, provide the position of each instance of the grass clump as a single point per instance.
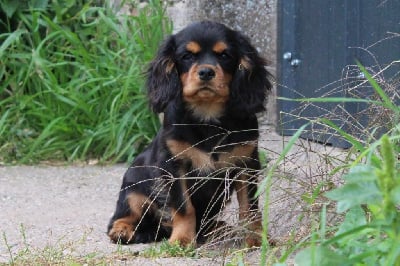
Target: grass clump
(166, 249)
(72, 80)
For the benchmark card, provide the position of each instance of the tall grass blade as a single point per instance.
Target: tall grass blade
(265, 186)
(387, 102)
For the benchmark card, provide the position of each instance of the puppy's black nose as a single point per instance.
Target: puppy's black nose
(206, 73)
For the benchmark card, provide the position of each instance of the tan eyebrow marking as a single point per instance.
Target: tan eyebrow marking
(193, 47)
(219, 47)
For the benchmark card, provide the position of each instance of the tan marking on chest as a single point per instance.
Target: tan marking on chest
(201, 159)
(183, 150)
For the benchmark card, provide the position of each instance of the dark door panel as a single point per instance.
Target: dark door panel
(318, 45)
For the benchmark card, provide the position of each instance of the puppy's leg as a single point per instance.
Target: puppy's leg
(183, 215)
(129, 213)
(249, 214)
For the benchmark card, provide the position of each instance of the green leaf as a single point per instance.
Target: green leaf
(9, 7)
(354, 218)
(360, 173)
(39, 4)
(11, 39)
(320, 256)
(360, 188)
(353, 195)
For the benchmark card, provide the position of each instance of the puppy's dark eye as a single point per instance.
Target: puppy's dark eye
(224, 55)
(188, 56)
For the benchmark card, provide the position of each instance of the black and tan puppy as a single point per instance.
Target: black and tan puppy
(209, 82)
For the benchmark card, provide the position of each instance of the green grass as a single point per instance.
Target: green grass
(165, 249)
(72, 82)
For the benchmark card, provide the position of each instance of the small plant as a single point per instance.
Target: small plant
(166, 249)
(237, 259)
(370, 232)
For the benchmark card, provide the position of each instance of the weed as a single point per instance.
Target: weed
(166, 249)
(370, 231)
(9, 248)
(237, 259)
(60, 253)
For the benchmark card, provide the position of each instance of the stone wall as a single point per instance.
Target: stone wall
(255, 18)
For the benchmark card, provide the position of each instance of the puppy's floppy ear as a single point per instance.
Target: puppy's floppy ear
(250, 84)
(163, 82)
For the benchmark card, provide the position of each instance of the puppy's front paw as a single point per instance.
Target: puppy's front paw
(253, 239)
(184, 241)
(121, 232)
(254, 232)
(183, 235)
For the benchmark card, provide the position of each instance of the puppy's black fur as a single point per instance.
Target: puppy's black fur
(209, 82)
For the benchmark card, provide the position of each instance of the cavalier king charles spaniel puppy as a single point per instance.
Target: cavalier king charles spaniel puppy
(209, 82)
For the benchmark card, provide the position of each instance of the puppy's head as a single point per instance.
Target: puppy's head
(212, 69)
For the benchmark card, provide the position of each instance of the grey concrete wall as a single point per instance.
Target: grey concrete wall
(255, 18)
